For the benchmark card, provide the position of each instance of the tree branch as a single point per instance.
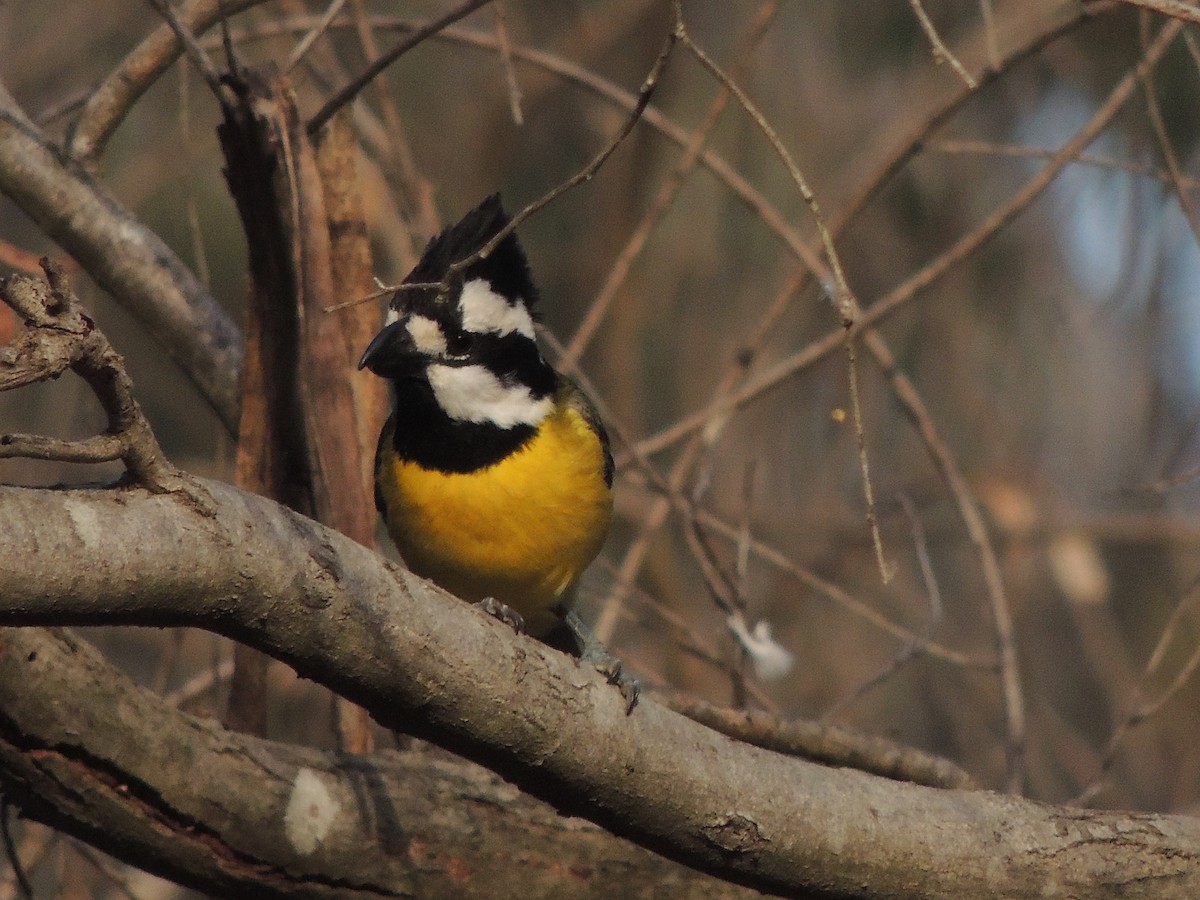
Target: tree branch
(194, 799)
(428, 664)
(125, 258)
(59, 336)
(115, 95)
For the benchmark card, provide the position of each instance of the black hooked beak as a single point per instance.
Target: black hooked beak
(390, 353)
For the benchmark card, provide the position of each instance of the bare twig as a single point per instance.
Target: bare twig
(637, 109)
(10, 850)
(195, 52)
(963, 248)
(510, 71)
(1178, 9)
(61, 336)
(839, 289)
(110, 102)
(912, 648)
(968, 509)
(301, 48)
(350, 91)
(941, 53)
(1144, 707)
(201, 683)
(587, 172)
(863, 611)
(1175, 172)
(826, 744)
(584, 174)
(1133, 167)
(693, 151)
(989, 33)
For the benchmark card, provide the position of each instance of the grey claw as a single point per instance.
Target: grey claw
(503, 612)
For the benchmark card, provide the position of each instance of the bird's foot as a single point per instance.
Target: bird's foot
(612, 669)
(596, 654)
(503, 612)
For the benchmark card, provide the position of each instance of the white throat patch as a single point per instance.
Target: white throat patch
(474, 394)
(484, 310)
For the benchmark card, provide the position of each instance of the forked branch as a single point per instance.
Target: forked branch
(59, 336)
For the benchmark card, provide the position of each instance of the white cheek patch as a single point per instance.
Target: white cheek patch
(484, 310)
(426, 335)
(473, 394)
(393, 316)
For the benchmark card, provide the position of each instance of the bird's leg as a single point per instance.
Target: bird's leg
(590, 650)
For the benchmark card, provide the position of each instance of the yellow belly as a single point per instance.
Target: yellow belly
(521, 531)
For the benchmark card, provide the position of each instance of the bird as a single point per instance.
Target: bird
(493, 472)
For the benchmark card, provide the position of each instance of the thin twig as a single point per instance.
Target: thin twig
(1154, 111)
(886, 569)
(1132, 167)
(201, 683)
(587, 172)
(778, 560)
(962, 249)
(989, 33)
(968, 510)
(741, 586)
(350, 91)
(941, 53)
(1178, 9)
(301, 48)
(193, 216)
(10, 850)
(847, 304)
(913, 648)
(1143, 709)
(510, 71)
(823, 743)
(693, 151)
(195, 52)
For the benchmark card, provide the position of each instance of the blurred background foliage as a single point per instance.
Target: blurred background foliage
(1059, 360)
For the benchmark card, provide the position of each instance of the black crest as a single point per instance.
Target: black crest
(505, 268)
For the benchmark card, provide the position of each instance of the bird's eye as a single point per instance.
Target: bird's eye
(458, 343)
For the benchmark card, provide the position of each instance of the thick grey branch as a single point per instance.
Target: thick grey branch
(125, 258)
(233, 815)
(423, 662)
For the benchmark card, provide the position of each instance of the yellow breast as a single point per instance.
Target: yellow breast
(521, 531)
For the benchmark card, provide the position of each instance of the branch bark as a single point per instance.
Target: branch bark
(425, 663)
(116, 765)
(125, 258)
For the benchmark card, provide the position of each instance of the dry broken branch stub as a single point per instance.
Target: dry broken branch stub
(59, 335)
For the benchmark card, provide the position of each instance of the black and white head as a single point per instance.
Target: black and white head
(464, 361)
